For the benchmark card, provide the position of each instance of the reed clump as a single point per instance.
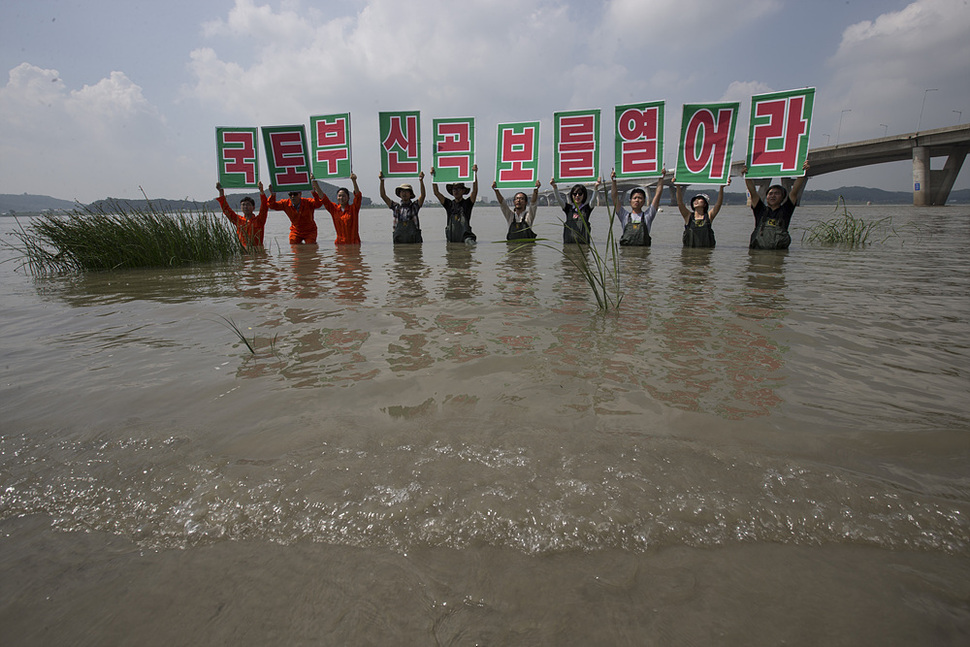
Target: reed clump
(842, 229)
(119, 236)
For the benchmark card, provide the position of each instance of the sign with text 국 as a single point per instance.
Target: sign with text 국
(330, 146)
(706, 143)
(517, 155)
(286, 156)
(778, 133)
(400, 143)
(576, 151)
(639, 140)
(454, 149)
(237, 157)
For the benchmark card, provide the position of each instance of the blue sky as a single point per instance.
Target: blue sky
(101, 98)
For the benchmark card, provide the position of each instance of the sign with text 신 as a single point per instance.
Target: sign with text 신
(517, 155)
(706, 143)
(639, 140)
(454, 149)
(576, 151)
(400, 143)
(238, 158)
(778, 133)
(330, 146)
(286, 156)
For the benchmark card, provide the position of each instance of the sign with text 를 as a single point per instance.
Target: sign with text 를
(400, 143)
(639, 140)
(237, 157)
(330, 146)
(576, 152)
(454, 149)
(286, 156)
(706, 143)
(517, 155)
(778, 133)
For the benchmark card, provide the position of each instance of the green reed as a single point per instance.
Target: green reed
(843, 229)
(121, 236)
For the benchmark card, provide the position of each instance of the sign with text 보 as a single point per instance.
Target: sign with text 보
(454, 149)
(237, 157)
(286, 156)
(706, 143)
(330, 146)
(517, 155)
(639, 140)
(778, 133)
(576, 152)
(400, 143)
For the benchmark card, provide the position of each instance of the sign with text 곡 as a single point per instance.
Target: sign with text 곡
(286, 156)
(400, 143)
(237, 157)
(639, 140)
(778, 133)
(576, 151)
(454, 149)
(706, 143)
(330, 146)
(517, 155)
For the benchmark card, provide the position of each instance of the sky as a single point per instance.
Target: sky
(114, 97)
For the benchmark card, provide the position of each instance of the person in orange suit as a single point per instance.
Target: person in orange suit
(346, 215)
(250, 225)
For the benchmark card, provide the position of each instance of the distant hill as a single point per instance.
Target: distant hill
(26, 203)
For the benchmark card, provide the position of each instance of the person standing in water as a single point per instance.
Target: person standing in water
(407, 227)
(346, 216)
(458, 229)
(303, 228)
(249, 226)
(636, 222)
(522, 214)
(576, 228)
(698, 219)
(772, 216)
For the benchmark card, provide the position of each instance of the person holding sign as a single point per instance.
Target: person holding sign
(407, 227)
(303, 228)
(575, 228)
(346, 216)
(698, 219)
(773, 214)
(636, 223)
(458, 229)
(249, 227)
(522, 215)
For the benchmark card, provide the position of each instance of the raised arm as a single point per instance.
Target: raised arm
(424, 192)
(720, 200)
(655, 202)
(353, 178)
(474, 194)
(684, 211)
(434, 187)
(320, 194)
(613, 192)
(555, 192)
(498, 194)
(799, 185)
(387, 200)
(752, 189)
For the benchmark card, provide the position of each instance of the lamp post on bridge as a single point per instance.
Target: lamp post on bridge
(885, 129)
(827, 138)
(959, 116)
(919, 122)
(839, 133)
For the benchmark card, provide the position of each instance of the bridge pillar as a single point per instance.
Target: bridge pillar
(922, 196)
(942, 181)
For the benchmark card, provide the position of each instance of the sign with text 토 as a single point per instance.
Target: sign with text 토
(400, 143)
(330, 146)
(238, 158)
(706, 143)
(517, 155)
(639, 140)
(576, 152)
(778, 133)
(286, 156)
(454, 149)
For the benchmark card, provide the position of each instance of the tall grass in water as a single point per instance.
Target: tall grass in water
(122, 236)
(842, 229)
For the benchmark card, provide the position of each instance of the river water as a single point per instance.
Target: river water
(451, 445)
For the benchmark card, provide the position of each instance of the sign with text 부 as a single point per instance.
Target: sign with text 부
(576, 152)
(454, 149)
(400, 143)
(778, 133)
(330, 146)
(237, 157)
(517, 155)
(286, 156)
(639, 140)
(706, 143)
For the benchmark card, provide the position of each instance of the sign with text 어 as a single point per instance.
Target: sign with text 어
(576, 152)
(778, 133)
(706, 143)
(517, 155)
(237, 157)
(639, 140)
(330, 146)
(400, 143)
(286, 156)
(454, 149)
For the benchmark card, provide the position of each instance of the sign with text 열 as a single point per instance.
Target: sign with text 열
(778, 133)
(706, 143)
(330, 146)
(286, 156)
(576, 152)
(517, 155)
(400, 143)
(454, 149)
(639, 140)
(237, 157)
